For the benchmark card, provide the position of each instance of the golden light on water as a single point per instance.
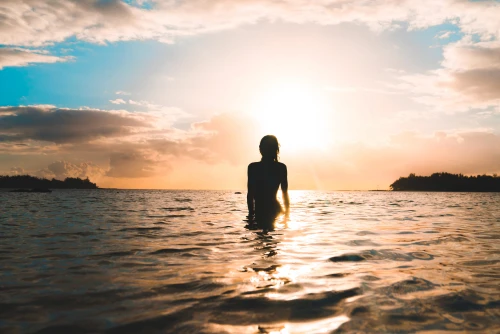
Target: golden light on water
(296, 112)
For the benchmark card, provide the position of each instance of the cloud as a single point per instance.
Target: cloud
(165, 115)
(444, 35)
(40, 22)
(120, 92)
(131, 165)
(12, 57)
(63, 169)
(57, 125)
(17, 171)
(469, 78)
(118, 101)
(465, 56)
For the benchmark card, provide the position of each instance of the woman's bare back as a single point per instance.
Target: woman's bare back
(264, 180)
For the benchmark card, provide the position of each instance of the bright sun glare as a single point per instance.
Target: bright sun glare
(296, 113)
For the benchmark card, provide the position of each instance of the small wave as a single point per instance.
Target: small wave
(441, 240)
(177, 250)
(460, 302)
(113, 254)
(480, 263)
(141, 229)
(348, 258)
(185, 208)
(53, 256)
(337, 275)
(409, 286)
(382, 255)
(182, 200)
(264, 310)
(362, 233)
(361, 243)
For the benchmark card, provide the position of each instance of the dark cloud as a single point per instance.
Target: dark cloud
(474, 70)
(64, 125)
(479, 85)
(466, 56)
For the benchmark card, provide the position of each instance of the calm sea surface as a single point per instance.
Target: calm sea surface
(133, 261)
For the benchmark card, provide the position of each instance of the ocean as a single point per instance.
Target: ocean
(158, 261)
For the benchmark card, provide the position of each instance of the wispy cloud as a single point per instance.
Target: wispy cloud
(11, 57)
(118, 101)
(444, 35)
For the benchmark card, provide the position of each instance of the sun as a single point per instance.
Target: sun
(294, 112)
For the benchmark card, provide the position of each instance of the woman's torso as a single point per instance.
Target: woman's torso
(266, 178)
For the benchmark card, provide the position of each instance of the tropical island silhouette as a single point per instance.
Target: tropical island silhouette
(448, 182)
(33, 182)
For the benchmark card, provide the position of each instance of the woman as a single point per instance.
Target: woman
(264, 179)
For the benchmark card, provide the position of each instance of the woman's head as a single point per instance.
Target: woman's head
(269, 147)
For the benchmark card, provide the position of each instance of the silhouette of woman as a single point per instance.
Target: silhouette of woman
(264, 180)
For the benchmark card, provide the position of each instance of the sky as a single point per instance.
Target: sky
(177, 94)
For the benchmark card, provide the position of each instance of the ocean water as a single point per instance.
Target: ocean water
(133, 261)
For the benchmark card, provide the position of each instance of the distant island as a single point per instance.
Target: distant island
(32, 182)
(448, 182)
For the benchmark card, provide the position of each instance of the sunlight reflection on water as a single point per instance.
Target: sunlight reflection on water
(126, 261)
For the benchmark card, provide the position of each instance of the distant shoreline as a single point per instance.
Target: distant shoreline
(6, 190)
(446, 182)
(33, 182)
(437, 182)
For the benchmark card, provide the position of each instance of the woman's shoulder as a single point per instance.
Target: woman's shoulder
(258, 163)
(281, 165)
(253, 164)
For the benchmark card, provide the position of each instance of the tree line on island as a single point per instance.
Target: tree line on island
(448, 182)
(33, 182)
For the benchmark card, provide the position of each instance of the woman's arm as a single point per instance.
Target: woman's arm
(284, 190)
(250, 192)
